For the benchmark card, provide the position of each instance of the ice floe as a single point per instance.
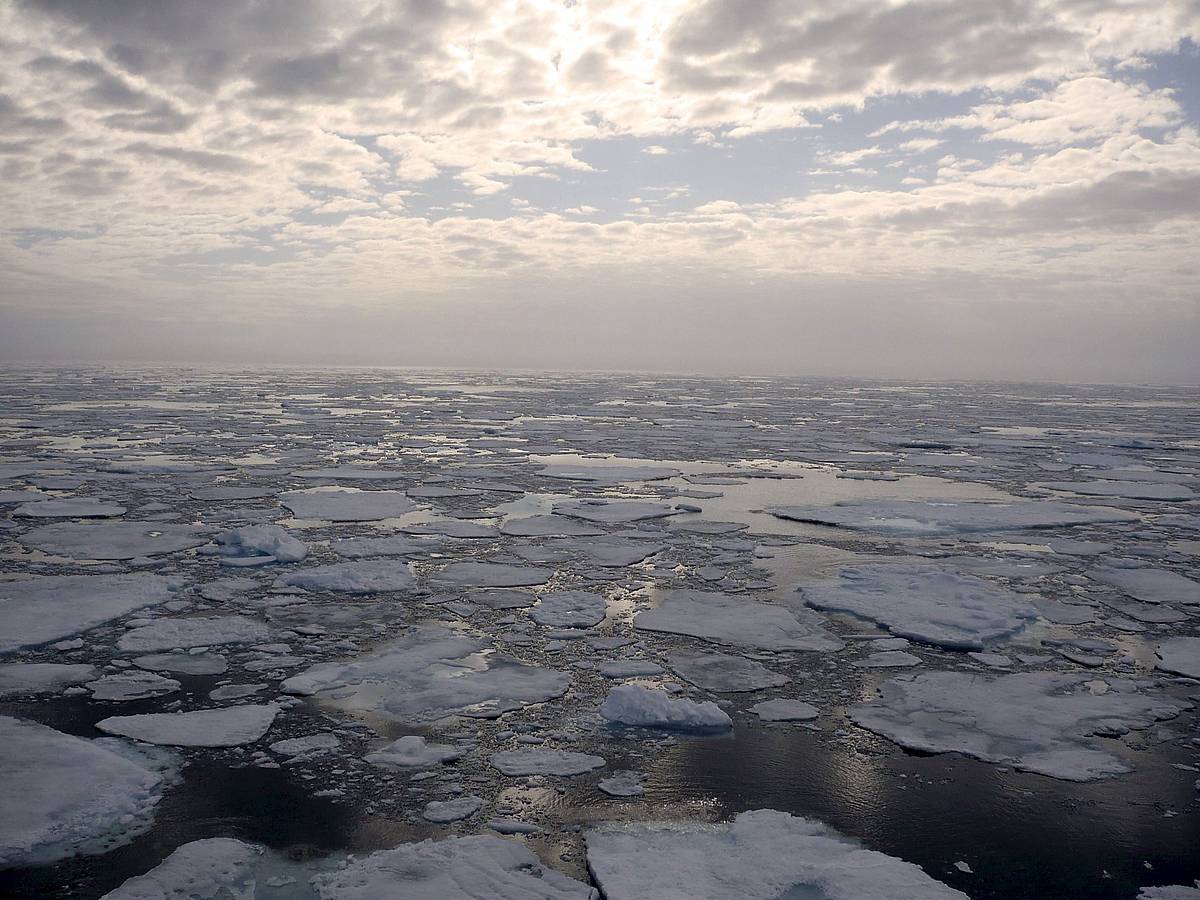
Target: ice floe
(19, 679)
(1180, 656)
(925, 603)
(132, 685)
(1151, 585)
(728, 619)
(569, 609)
(113, 540)
(428, 673)
(270, 543)
(946, 517)
(484, 574)
(760, 855)
(539, 761)
(782, 710)
(65, 795)
(346, 504)
(228, 727)
(413, 751)
(614, 512)
(1039, 722)
(197, 631)
(38, 610)
(632, 704)
(82, 508)
(368, 576)
(723, 673)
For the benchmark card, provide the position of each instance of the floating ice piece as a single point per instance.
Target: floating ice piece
(113, 540)
(569, 609)
(446, 811)
(513, 826)
(1132, 490)
(939, 517)
(1034, 721)
(723, 673)
(925, 603)
(209, 868)
(485, 574)
(261, 540)
(548, 526)
(39, 610)
(18, 679)
(452, 528)
(1151, 585)
(604, 474)
(413, 751)
(392, 545)
(614, 512)
(632, 704)
(465, 868)
(348, 473)
(537, 761)
(629, 668)
(227, 492)
(183, 663)
(65, 796)
(346, 504)
(307, 744)
(782, 710)
(200, 631)
(502, 599)
(623, 783)
(428, 673)
(707, 526)
(228, 727)
(370, 576)
(82, 508)
(1170, 892)
(888, 659)
(132, 685)
(760, 855)
(727, 619)
(1180, 656)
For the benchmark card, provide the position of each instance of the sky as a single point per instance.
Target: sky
(933, 189)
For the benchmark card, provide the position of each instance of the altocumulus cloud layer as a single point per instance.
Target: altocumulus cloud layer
(937, 187)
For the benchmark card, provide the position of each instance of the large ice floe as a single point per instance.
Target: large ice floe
(34, 611)
(20, 679)
(724, 673)
(471, 573)
(642, 707)
(81, 508)
(1180, 656)
(569, 609)
(926, 603)
(259, 545)
(945, 517)
(428, 673)
(63, 795)
(368, 576)
(1151, 585)
(457, 868)
(227, 727)
(1043, 722)
(736, 620)
(113, 540)
(539, 761)
(198, 631)
(614, 512)
(760, 855)
(346, 504)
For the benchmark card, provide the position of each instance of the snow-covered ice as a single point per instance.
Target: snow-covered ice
(736, 620)
(539, 761)
(569, 609)
(760, 855)
(366, 576)
(19, 679)
(413, 751)
(113, 540)
(485, 574)
(724, 673)
(346, 504)
(269, 541)
(632, 704)
(782, 710)
(947, 517)
(228, 727)
(1180, 656)
(198, 631)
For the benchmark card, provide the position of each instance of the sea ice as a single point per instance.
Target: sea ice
(623, 783)
(392, 545)
(413, 751)
(614, 512)
(538, 761)
(1133, 490)
(446, 811)
(723, 673)
(132, 685)
(785, 711)
(945, 517)
(428, 673)
(199, 631)
(183, 663)
(42, 609)
(632, 704)
(760, 855)
(569, 609)
(81, 508)
(228, 727)
(484, 574)
(63, 795)
(606, 474)
(309, 743)
(369, 576)
(925, 603)
(18, 679)
(346, 504)
(1151, 585)
(1180, 656)
(261, 540)
(1039, 722)
(113, 540)
(548, 526)
(728, 619)
(629, 668)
